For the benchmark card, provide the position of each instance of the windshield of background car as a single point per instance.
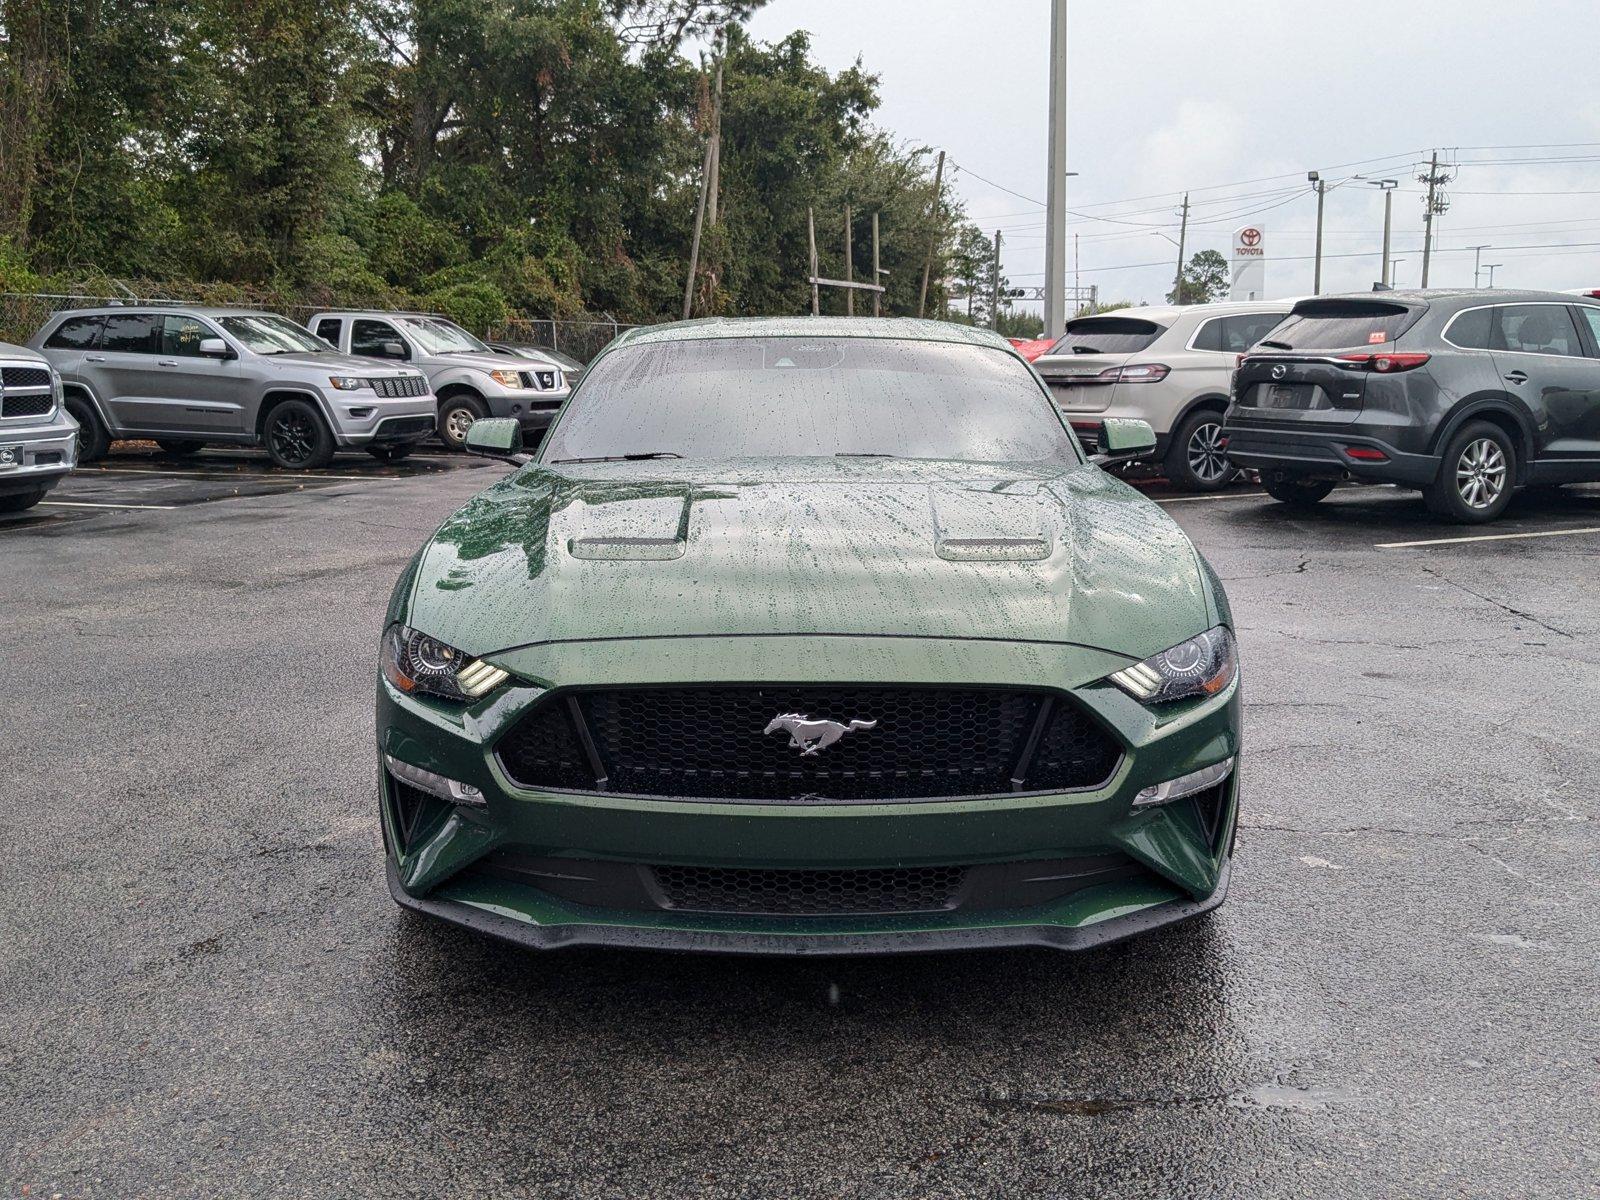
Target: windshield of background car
(441, 337)
(811, 397)
(1336, 325)
(266, 334)
(1107, 335)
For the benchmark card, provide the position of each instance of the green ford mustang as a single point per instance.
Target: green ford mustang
(808, 636)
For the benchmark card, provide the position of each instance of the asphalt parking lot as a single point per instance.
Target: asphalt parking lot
(206, 990)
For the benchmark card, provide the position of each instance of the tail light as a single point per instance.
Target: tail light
(1138, 373)
(1384, 364)
(1366, 454)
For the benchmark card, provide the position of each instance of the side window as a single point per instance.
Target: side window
(1591, 316)
(1539, 329)
(181, 336)
(129, 333)
(1473, 329)
(370, 337)
(77, 333)
(1211, 335)
(1240, 333)
(328, 330)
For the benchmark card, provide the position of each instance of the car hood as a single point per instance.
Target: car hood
(851, 547)
(342, 364)
(477, 362)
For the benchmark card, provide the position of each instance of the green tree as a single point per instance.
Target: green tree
(1205, 279)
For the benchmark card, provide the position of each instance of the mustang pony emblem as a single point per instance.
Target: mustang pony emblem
(808, 736)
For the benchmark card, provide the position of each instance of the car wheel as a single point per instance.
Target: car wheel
(180, 447)
(1477, 475)
(20, 501)
(1195, 461)
(93, 440)
(1296, 491)
(296, 437)
(456, 416)
(388, 453)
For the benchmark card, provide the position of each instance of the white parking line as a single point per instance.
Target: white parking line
(1230, 496)
(87, 504)
(226, 474)
(1487, 537)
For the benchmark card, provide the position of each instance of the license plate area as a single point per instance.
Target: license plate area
(10, 457)
(1287, 396)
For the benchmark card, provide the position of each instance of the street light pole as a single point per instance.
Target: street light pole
(1394, 269)
(1388, 186)
(1489, 267)
(1477, 257)
(1316, 276)
(1055, 228)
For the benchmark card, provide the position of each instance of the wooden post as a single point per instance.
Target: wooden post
(877, 297)
(849, 268)
(811, 229)
(699, 222)
(933, 235)
(716, 149)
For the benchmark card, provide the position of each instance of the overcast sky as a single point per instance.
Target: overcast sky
(1218, 96)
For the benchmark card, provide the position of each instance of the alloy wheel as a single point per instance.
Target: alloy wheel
(293, 437)
(1206, 458)
(1481, 473)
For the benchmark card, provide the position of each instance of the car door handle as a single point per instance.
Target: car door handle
(94, 358)
(1516, 377)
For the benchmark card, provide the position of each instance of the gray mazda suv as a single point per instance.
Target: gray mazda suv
(1466, 395)
(190, 377)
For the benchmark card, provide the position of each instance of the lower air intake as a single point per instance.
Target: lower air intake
(810, 892)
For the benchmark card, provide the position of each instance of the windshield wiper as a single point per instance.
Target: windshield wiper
(1087, 350)
(864, 454)
(619, 457)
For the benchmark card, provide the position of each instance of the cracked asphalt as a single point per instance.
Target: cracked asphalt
(205, 989)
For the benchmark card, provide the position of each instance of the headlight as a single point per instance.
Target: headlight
(415, 662)
(510, 379)
(349, 383)
(56, 393)
(1202, 666)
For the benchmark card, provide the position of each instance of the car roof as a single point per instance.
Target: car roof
(1220, 308)
(882, 328)
(1445, 295)
(195, 310)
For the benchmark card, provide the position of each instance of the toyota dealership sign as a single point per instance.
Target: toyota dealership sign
(1249, 264)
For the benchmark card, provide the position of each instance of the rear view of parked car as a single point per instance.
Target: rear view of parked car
(38, 440)
(1169, 366)
(470, 379)
(1467, 395)
(191, 377)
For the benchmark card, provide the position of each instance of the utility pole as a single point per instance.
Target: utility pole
(1055, 227)
(1077, 283)
(1316, 271)
(811, 231)
(1434, 206)
(994, 286)
(706, 170)
(933, 235)
(877, 297)
(716, 149)
(1183, 236)
(1477, 258)
(849, 268)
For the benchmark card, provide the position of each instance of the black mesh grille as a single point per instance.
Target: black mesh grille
(21, 377)
(712, 743)
(399, 426)
(810, 893)
(26, 406)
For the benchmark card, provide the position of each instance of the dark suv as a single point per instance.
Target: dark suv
(1467, 395)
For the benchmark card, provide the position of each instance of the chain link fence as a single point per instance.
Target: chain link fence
(23, 313)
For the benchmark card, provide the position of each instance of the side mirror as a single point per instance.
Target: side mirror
(1123, 439)
(214, 347)
(496, 437)
(394, 350)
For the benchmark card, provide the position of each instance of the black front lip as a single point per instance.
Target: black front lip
(567, 936)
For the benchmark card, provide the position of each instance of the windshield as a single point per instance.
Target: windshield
(267, 334)
(1106, 335)
(437, 336)
(810, 397)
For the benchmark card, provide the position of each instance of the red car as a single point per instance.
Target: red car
(1031, 348)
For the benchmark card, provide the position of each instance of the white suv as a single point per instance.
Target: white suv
(1169, 366)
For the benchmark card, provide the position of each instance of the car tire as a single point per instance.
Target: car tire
(388, 454)
(1296, 491)
(456, 415)
(296, 437)
(14, 502)
(93, 440)
(179, 447)
(1195, 462)
(1477, 475)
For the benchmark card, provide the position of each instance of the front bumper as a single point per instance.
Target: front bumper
(1177, 866)
(45, 453)
(1324, 453)
(532, 408)
(363, 421)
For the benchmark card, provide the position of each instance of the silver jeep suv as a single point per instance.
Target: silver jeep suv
(38, 440)
(470, 379)
(190, 377)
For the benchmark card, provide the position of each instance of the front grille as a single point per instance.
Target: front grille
(26, 406)
(547, 379)
(401, 426)
(25, 377)
(711, 743)
(864, 892)
(407, 385)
